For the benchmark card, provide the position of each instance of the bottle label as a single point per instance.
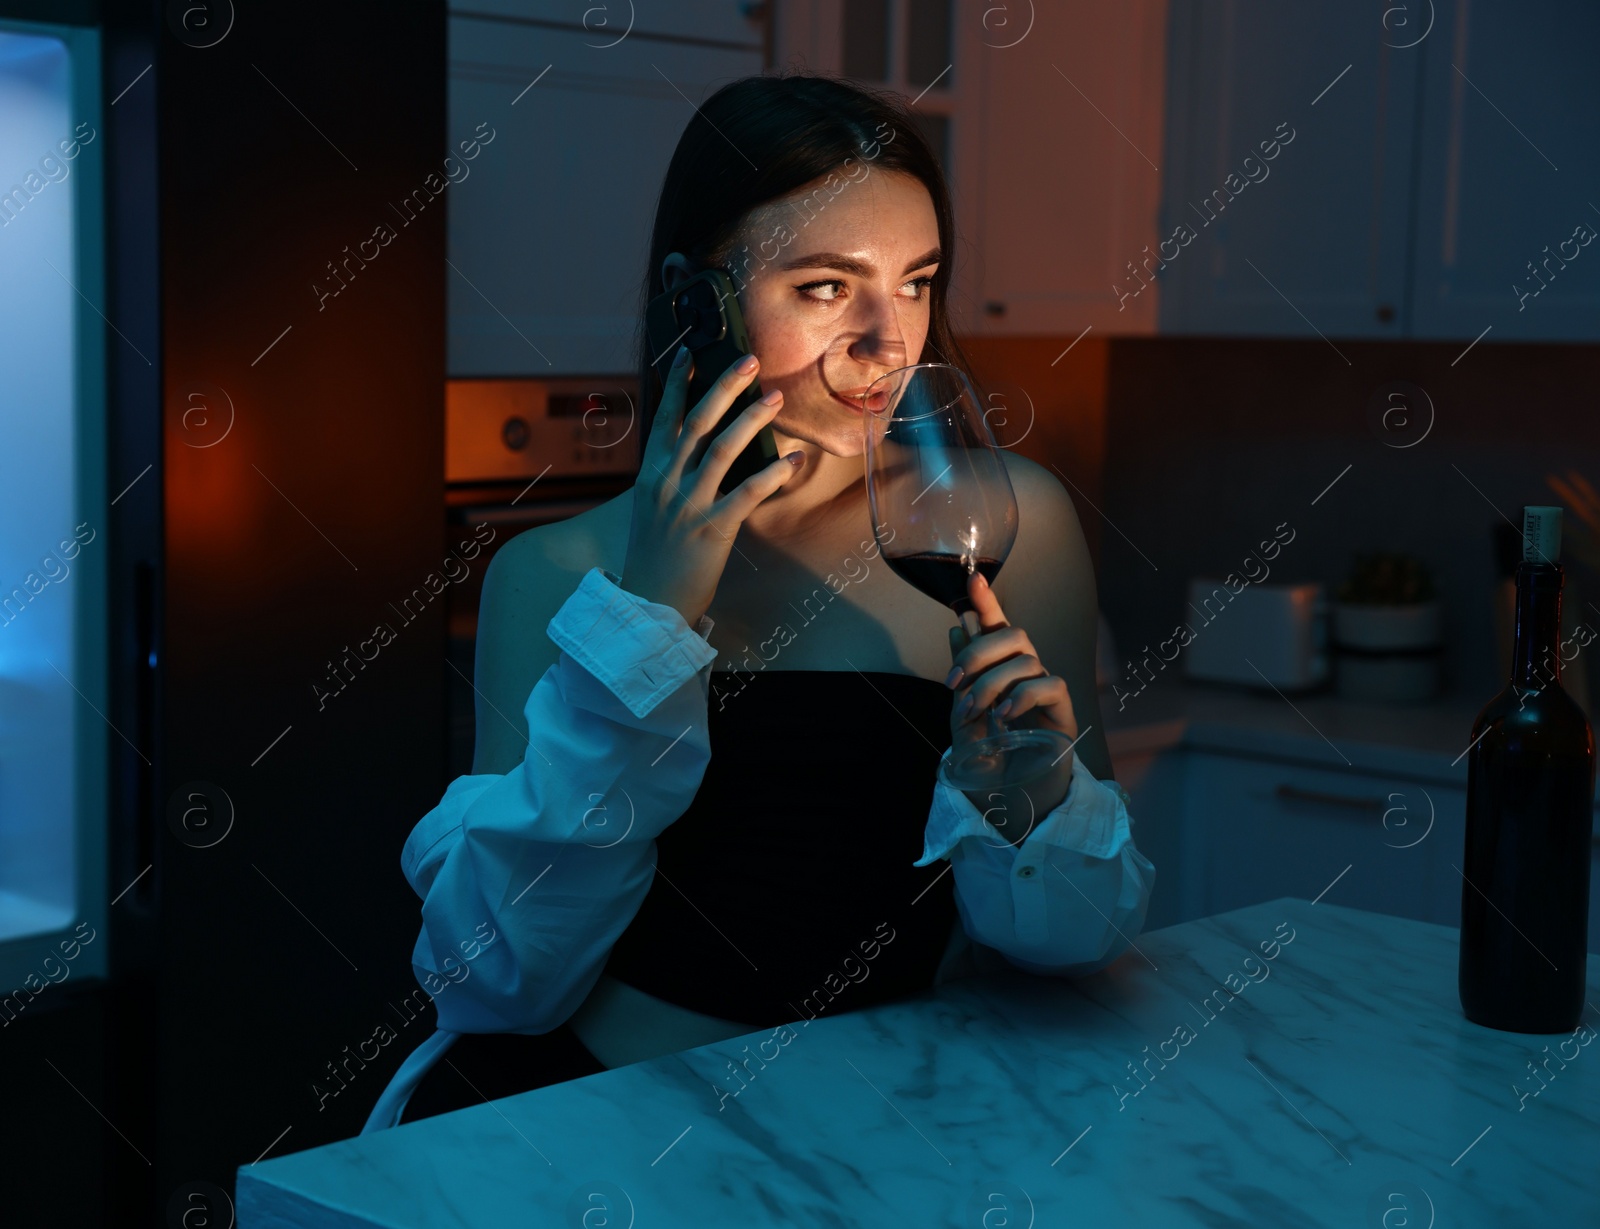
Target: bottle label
(1541, 534)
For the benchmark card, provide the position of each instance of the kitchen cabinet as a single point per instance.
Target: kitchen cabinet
(549, 225)
(1287, 183)
(1049, 122)
(1506, 174)
(1225, 831)
(1438, 152)
(1271, 829)
(1183, 168)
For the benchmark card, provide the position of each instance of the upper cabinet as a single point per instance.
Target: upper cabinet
(1287, 184)
(1406, 169)
(1508, 177)
(573, 110)
(1048, 119)
(1420, 194)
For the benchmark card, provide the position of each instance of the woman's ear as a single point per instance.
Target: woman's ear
(675, 268)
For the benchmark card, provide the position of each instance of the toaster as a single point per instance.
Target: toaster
(1262, 635)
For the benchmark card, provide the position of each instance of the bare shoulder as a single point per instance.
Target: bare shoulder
(597, 537)
(1048, 530)
(528, 581)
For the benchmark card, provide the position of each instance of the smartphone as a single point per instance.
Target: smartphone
(703, 314)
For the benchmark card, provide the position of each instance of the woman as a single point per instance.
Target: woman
(601, 889)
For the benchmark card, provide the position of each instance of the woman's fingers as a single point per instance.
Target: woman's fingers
(988, 688)
(984, 602)
(1048, 693)
(1000, 669)
(988, 649)
(705, 480)
(659, 447)
(742, 500)
(997, 640)
(701, 420)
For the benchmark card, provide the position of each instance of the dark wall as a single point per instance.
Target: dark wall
(281, 147)
(1212, 442)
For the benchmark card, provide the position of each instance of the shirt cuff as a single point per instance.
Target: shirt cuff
(642, 651)
(1092, 820)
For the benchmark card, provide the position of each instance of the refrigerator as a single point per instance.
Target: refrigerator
(223, 468)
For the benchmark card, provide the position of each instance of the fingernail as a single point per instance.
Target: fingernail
(772, 398)
(797, 458)
(1003, 709)
(747, 364)
(952, 679)
(681, 357)
(966, 705)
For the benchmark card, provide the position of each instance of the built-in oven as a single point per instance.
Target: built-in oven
(518, 454)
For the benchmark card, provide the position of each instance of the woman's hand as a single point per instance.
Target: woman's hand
(997, 667)
(682, 531)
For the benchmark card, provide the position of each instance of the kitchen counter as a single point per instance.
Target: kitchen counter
(1283, 1064)
(1422, 741)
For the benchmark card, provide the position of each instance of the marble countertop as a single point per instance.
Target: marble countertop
(1284, 1064)
(1423, 741)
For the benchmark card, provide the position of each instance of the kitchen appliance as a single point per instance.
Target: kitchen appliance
(1263, 635)
(533, 429)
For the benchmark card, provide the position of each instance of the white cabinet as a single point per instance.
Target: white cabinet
(1506, 174)
(550, 226)
(1290, 133)
(1440, 149)
(1225, 831)
(1050, 118)
(1273, 830)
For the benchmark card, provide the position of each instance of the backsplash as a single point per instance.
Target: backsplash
(1211, 443)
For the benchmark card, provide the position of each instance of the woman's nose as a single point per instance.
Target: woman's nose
(881, 340)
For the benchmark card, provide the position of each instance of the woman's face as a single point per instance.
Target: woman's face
(834, 286)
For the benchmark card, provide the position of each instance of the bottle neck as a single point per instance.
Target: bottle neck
(1536, 660)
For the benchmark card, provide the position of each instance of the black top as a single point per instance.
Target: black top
(788, 883)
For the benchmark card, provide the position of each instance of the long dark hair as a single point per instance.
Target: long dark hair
(760, 138)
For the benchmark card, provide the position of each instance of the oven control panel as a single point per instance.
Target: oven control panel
(498, 429)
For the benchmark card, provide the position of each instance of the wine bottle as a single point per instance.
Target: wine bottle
(1530, 819)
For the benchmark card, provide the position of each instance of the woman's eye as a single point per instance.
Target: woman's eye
(834, 286)
(830, 290)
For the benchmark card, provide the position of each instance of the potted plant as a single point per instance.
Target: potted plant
(1386, 630)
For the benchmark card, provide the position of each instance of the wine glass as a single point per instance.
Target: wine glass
(942, 507)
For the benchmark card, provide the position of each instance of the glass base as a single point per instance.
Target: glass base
(1003, 760)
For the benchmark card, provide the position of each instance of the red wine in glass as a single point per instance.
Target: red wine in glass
(942, 575)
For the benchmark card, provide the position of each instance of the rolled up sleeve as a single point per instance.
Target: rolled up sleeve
(527, 879)
(1065, 901)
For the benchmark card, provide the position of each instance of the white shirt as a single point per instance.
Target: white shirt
(528, 878)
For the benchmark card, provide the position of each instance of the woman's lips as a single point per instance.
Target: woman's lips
(852, 403)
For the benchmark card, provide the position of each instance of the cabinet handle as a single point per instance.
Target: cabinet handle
(1293, 793)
